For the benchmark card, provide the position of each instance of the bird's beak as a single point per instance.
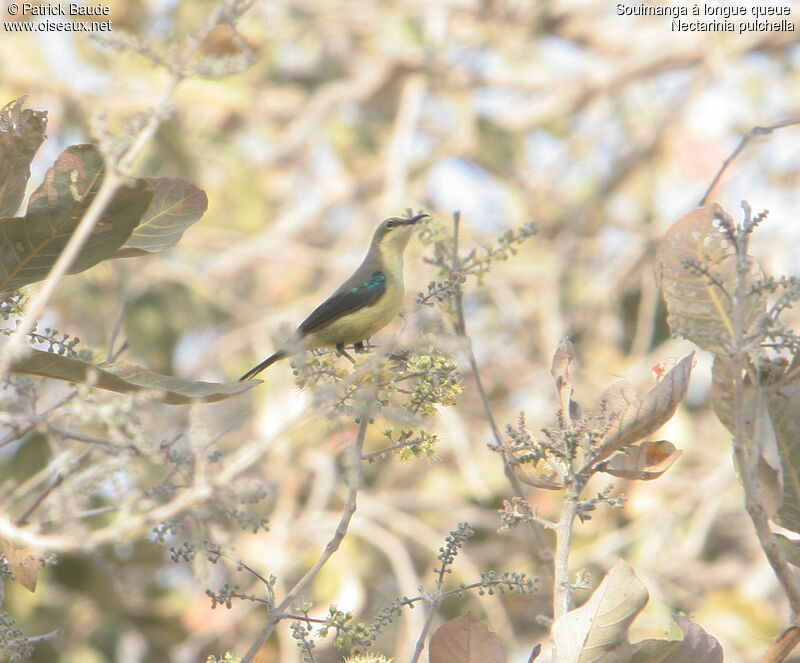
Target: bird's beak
(416, 218)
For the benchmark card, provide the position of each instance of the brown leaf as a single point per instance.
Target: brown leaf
(540, 474)
(699, 307)
(644, 461)
(775, 452)
(465, 640)
(638, 417)
(23, 563)
(783, 406)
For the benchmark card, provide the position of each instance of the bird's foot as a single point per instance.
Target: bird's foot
(340, 349)
(362, 347)
(400, 355)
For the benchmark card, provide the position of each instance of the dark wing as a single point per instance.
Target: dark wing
(344, 301)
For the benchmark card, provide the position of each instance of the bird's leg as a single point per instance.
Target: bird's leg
(359, 348)
(340, 349)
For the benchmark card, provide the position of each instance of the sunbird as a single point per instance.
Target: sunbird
(364, 304)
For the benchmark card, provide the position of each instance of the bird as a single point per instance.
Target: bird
(364, 304)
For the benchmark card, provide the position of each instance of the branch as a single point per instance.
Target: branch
(353, 484)
(562, 588)
(122, 529)
(542, 550)
(744, 444)
(755, 131)
(783, 646)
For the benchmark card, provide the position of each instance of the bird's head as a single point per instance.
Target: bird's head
(395, 231)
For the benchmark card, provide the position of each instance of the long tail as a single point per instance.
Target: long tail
(280, 354)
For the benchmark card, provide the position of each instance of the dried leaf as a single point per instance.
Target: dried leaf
(598, 630)
(758, 429)
(697, 645)
(783, 407)
(699, 307)
(23, 563)
(636, 417)
(562, 358)
(644, 461)
(465, 640)
(539, 474)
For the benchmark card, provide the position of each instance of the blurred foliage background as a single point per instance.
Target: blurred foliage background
(603, 129)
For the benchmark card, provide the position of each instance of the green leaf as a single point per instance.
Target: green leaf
(30, 245)
(700, 309)
(21, 134)
(176, 205)
(128, 379)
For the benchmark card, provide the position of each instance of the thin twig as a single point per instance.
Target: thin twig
(783, 646)
(350, 505)
(47, 636)
(424, 633)
(541, 548)
(755, 131)
(59, 479)
(129, 524)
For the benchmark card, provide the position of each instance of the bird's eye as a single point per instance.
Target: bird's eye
(391, 223)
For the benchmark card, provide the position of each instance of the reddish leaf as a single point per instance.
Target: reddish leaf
(644, 461)
(700, 307)
(633, 418)
(465, 640)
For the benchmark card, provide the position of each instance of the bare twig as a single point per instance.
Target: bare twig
(783, 646)
(755, 131)
(353, 484)
(542, 550)
(124, 527)
(47, 636)
(57, 481)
